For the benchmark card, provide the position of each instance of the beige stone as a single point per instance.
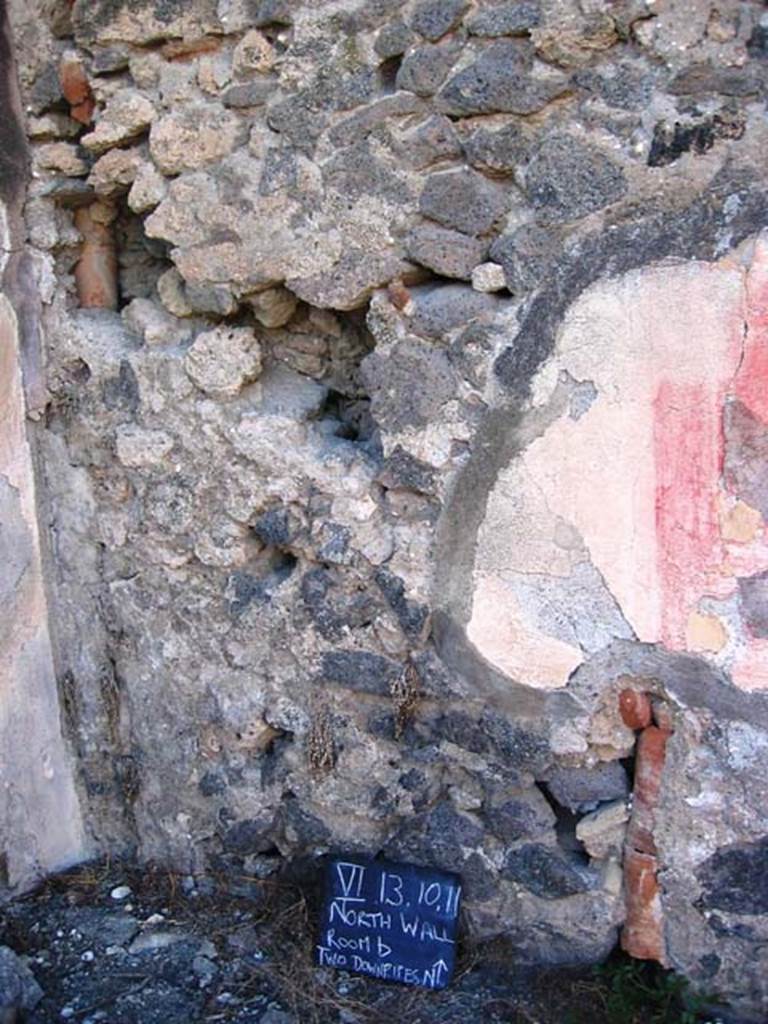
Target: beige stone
(170, 288)
(705, 633)
(61, 157)
(193, 137)
(114, 172)
(273, 307)
(253, 54)
(154, 324)
(137, 448)
(148, 189)
(52, 126)
(125, 117)
(222, 361)
(603, 831)
(488, 277)
(739, 522)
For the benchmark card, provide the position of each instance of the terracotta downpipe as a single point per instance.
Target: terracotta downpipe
(96, 271)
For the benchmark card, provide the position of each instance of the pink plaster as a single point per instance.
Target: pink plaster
(751, 384)
(688, 455)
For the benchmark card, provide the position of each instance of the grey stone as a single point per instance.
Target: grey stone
(296, 120)
(424, 69)
(505, 18)
(253, 835)
(433, 18)
(19, 991)
(440, 838)
(210, 298)
(355, 172)
(603, 831)
(514, 815)
(108, 59)
(280, 173)
(567, 179)
(275, 527)
(735, 878)
(393, 40)
(546, 872)
(500, 81)
(526, 256)
(395, 405)
(361, 671)
(753, 597)
(248, 94)
(706, 79)
(301, 828)
(581, 789)
(46, 90)
(411, 615)
(366, 120)
(433, 140)
(513, 747)
(440, 309)
(519, 745)
(122, 392)
(462, 200)
(401, 469)
(448, 253)
(502, 150)
(624, 86)
(272, 12)
(334, 608)
(746, 455)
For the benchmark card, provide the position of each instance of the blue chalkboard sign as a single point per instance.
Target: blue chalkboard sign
(394, 921)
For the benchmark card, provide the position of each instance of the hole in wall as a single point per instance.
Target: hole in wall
(565, 828)
(349, 418)
(388, 70)
(259, 583)
(140, 259)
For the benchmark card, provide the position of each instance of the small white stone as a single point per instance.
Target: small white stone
(88, 956)
(223, 360)
(137, 448)
(67, 1011)
(121, 892)
(488, 277)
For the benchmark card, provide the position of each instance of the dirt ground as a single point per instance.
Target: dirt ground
(176, 950)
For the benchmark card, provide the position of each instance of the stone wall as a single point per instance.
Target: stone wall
(402, 369)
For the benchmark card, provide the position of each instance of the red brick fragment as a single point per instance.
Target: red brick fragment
(642, 935)
(635, 709)
(83, 112)
(96, 270)
(76, 88)
(187, 49)
(73, 80)
(398, 294)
